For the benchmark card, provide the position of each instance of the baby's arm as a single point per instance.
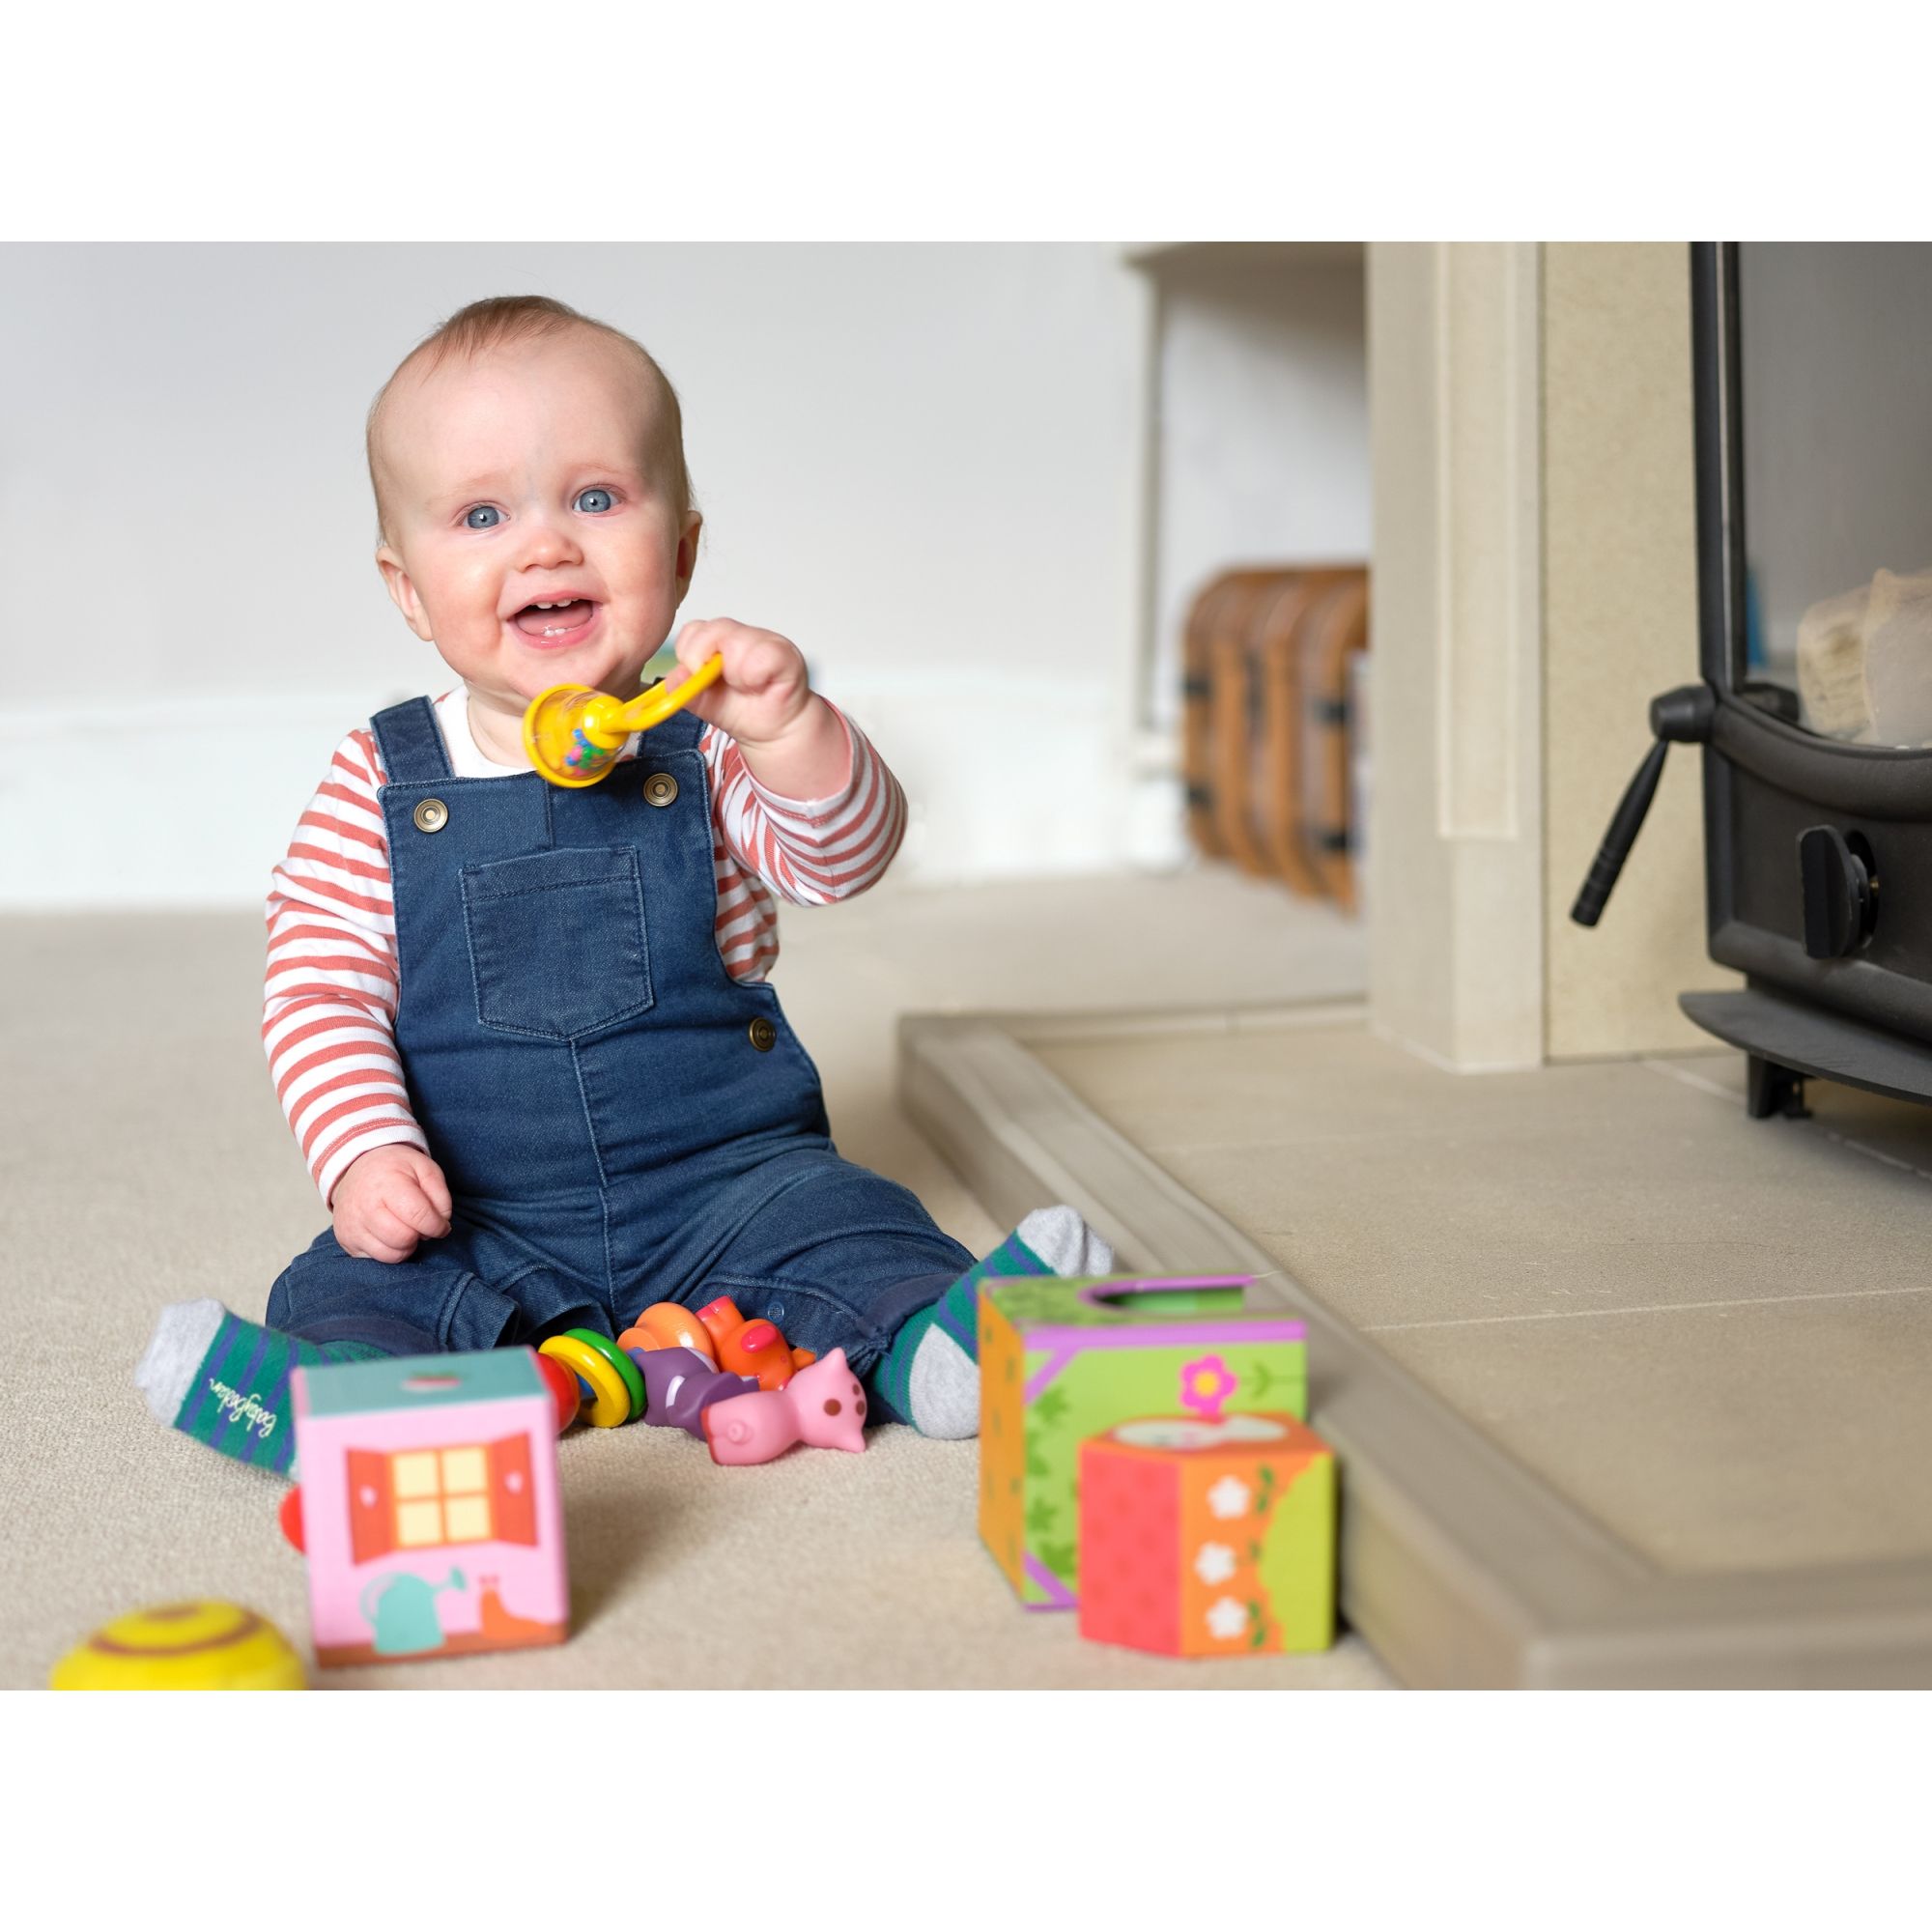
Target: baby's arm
(328, 1017)
(810, 851)
(801, 801)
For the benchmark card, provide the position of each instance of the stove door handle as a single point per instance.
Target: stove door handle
(1680, 717)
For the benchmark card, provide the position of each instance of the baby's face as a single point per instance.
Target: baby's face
(527, 476)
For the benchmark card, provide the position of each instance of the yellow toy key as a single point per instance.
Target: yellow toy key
(573, 734)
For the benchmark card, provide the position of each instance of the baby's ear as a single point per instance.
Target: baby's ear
(687, 553)
(402, 589)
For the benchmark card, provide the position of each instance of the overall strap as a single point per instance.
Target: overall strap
(411, 742)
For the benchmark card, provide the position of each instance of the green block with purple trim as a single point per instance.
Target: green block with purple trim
(1062, 1360)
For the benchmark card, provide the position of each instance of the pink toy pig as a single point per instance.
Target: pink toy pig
(822, 1406)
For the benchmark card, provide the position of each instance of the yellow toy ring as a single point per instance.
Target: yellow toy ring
(627, 1370)
(610, 1399)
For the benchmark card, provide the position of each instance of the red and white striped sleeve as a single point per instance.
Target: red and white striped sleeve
(811, 852)
(329, 1008)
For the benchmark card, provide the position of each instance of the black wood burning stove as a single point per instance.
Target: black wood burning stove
(1818, 852)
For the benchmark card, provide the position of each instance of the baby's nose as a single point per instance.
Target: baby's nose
(548, 540)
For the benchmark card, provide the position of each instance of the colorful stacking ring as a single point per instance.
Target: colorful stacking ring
(607, 1390)
(633, 1381)
(567, 1393)
(606, 1396)
(204, 1646)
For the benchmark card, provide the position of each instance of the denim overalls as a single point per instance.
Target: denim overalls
(620, 1122)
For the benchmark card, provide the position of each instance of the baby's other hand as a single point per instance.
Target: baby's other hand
(763, 689)
(386, 1201)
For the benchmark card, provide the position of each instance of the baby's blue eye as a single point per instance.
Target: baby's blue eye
(603, 501)
(483, 510)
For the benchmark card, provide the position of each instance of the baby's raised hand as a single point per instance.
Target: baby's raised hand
(792, 739)
(763, 690)
(388, 1200)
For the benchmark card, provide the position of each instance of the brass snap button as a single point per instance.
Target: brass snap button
(764, 1035)
(431, 815)
(660, 788)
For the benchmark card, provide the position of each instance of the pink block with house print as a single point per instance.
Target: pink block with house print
(431, 1511)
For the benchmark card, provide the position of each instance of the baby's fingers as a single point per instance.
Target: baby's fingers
(360, 1240)
(430, 1177)
(689, 648)
(701, 640)
(389, 1237)
(415, 1210)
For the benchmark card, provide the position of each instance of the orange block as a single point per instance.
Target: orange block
(1209, 1538)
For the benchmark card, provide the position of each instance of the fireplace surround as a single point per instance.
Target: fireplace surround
(1816, 849)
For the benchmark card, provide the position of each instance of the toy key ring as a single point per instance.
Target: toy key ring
(573, 734)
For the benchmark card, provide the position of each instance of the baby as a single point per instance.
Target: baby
(523, 1034)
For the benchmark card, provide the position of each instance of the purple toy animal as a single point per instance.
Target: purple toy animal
(680, 1386)
(822, 1406)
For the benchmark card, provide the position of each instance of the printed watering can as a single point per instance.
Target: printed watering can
(404, 1616)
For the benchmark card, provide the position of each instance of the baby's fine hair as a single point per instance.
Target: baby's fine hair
(499, 320)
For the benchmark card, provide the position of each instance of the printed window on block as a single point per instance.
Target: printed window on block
(443, 1496)
(409, 1500)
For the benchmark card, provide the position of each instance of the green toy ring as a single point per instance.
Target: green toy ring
(633, 1382)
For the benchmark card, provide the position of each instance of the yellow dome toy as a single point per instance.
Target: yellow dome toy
(205, 1646)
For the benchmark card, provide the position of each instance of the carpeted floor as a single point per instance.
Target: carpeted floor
(143, 1160)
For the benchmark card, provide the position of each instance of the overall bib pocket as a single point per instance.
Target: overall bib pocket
(556, 941)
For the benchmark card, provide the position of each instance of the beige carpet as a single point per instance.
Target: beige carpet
(143, 1160)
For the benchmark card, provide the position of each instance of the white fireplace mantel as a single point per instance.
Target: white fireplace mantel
(1535, 586)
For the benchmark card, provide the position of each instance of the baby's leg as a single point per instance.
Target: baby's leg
(839, 1257)
(930, 1375)
(225, 1380)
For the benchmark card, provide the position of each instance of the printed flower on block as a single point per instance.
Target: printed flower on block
(1226, 1618)
(1214, 1563)
(1205, 1385)
(1228, 1498)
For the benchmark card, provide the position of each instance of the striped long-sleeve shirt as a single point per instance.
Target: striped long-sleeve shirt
(328, 1017)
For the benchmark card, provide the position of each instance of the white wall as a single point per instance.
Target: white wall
(1264, 431)
(917, 461)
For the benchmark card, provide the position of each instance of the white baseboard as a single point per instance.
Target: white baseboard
(189, 803)
(185, 803)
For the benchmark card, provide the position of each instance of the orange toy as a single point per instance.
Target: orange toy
(751, 1348)
(665, 1325)
(722, 1336)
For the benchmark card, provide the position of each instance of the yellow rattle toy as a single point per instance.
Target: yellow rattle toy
(204, 1646)
(574, 735)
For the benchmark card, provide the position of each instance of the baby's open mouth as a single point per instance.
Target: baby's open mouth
(554, 620)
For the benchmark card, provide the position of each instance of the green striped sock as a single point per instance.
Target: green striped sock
(944, 1398)
(225, 1381)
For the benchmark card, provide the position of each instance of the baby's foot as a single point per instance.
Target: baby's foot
(225, 1381)
(930, 1375)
